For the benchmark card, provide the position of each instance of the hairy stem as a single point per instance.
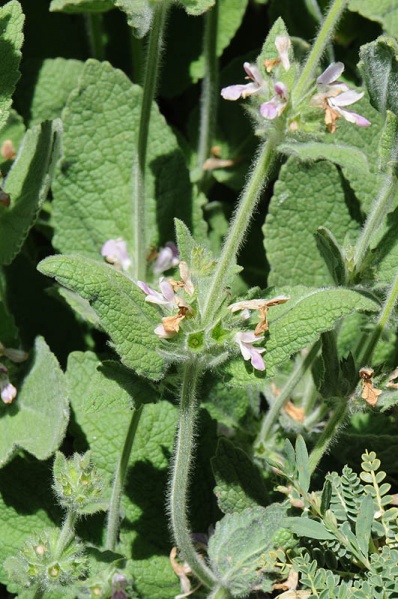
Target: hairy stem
(137, 59)
(181, 465)
(154, 51)
(67, 533)
(210, 91)
(296, 376)
(384, 317)
(337, 419)
(239, 225)
(113, 522)
(375, 218)
(325, 33)
(95, 34)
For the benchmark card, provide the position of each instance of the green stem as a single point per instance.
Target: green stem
(113, 522)
(239, 225)
(307, 75)
(210, 91)
(316, 13)
(181, 466)
(154, 51)
(381, 324)
(332, 427)
(297, 374)
(95, 34)
(375, 218)
(67, 533)
(137, 59)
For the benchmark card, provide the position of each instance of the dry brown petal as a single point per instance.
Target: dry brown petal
(369, 393)
(366, 373)
(7, 150)
(290, 583)
(294, 412)
(292, 594)
(171, 324)
(212, 164)
(331, 118)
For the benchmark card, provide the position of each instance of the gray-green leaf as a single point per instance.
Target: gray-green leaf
(379, 68)
(384, 12)
(121, 308)
(36, 421)
(28, 183)
(11, 38)
(237, 544)
(80, 6)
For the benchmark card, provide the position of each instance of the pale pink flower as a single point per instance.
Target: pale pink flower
(248, 351)
(165, 298)
(283, 44)
(334, 95)
(7, 391)
(234, 92)
(274, 108)
(115, 252)
(168, 257)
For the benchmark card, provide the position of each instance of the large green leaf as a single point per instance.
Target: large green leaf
(239, 482)
(104, 431)
(237, 544)
(55, 81)
(384, 12)
(37, 419)
(379, 68)
(11, 38)
(305, 197)
(299, 322)
(93, 191)
(121, 308)
(80, 6)
(28, 183)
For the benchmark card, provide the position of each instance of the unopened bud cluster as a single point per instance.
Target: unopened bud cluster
(39, 565)
(77, 484)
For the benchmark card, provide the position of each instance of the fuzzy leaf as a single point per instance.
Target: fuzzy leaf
(379, 68)
(237, 544)
(302, 463)
(388, 147)
(332, 254)
(55, 81)
(311, 529)
(11, 38)
(339, 154)
(143, 502)
(382, 11)
(93, 189)
(28, 183)
(197, 7)
(269, 50)
(364, 522)
(40, 406)
(239, 481)
(80, 6)
(120, 305)
(139, 14)
(297, 323)
(305, 198)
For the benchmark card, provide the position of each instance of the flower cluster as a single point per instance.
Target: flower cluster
(274, 107)
(115, 252)
(171, 301)
(7, 391)
(332, 96)
(245, 339)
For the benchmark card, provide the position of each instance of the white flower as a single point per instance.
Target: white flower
(115, 252)
(334, 95)
(245, 340)
(283, 44)
(165, 298)
(7, 391)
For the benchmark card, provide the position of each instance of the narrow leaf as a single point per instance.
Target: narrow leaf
(304, 527)
(332, 254)
(302, 463)
(337, 153)
(11, 38)
(364, 522)
(80, 6)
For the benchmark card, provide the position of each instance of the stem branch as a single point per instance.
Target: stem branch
(178, 493)
(113, 522)
(152, 63)
(335, 422)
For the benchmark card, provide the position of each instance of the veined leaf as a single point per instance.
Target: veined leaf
(11, 38)
(121, 308)
(304, 527)
(340, 154)
(379, 68)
